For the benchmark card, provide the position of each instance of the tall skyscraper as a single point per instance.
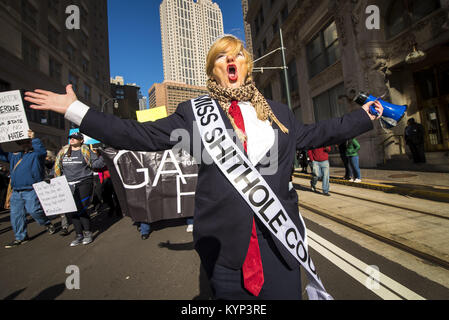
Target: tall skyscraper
(188, 29)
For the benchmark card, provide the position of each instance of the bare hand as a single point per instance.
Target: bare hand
(31, 134)
(378, 107)
(47, 100)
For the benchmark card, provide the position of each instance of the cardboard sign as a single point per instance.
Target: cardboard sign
(152, 114)
(13, 120)
(55, 197)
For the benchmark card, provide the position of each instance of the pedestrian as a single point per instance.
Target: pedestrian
(344, 159)
(352, 148)
(241, 254)
(26, 168)
(76, 161)
(4, 182)
(320, 165)
(414, 138)
(303, 160)
(189, 225)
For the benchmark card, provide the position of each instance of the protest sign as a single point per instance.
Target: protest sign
(13, 120)
(55, 197)
(153, 186)
(152, 114)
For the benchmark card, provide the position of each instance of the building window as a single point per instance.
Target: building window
(29, 14)
(87, 91)
(53, 6)
(71, 52)
(55, 69)
(328, 105)
(53, 35)
(275, 27)
(323, 50)
(73, 80)
(85, 64)
(30, 53)
(402, 14)
(284, 14)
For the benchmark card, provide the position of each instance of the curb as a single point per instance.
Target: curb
(424, 194)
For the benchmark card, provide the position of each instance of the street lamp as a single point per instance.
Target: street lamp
(283, 67)
(115, 103)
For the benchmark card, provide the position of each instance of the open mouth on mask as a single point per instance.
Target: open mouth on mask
(232, 72)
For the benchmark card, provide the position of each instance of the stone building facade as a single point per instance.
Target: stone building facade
(335, 50)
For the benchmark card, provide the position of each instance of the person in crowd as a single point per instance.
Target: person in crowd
(76, 161)
(189, 225)
(241, 257)
(344, 159)
(26, 168)
(303, 160)
(320, 165)
(145, 229)
(414, 138)
(4, 182)
(352, 148)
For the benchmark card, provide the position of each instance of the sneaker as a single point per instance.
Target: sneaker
(51, 228)
(313, 187)
(64, 231)
(78, 240)
(16, 243)
(358, 180)
(189, 228)
(87, 237)
(351, 180)
(145, 236)
(326, 194)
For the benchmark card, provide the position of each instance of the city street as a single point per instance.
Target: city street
(119, 265)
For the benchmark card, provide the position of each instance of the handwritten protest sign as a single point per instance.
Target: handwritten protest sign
(13, 120)
(55, 197)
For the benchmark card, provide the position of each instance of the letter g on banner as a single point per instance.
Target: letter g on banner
(146, 174)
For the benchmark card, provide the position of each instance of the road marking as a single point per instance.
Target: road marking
(388, 289)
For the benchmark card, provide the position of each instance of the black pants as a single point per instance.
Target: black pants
(280, 283)
(82, 195)
(418, 153)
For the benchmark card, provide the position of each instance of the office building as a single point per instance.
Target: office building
(38, 51)
(188, 29)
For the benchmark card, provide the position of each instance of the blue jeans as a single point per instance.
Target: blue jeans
(144, 228)
(23, 202)
(321, 170)
(189, 221)
(354, 170)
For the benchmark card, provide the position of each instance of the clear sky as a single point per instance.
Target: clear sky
(135, 38)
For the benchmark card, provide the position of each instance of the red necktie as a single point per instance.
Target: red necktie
(252, 267)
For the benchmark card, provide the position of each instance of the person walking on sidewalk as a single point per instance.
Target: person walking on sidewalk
(344, 159)
(26, 168)
(76, 162)
(352, 147)
(414, 138)
(320, 165)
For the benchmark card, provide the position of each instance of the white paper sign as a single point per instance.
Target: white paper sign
(55, 197)
(13, 120)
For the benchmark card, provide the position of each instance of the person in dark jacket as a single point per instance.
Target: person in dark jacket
(225, 225)
(26, 168)
(414, 138)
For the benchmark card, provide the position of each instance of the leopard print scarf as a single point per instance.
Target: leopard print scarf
(246, 92)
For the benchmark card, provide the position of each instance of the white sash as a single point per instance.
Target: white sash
(254, 189)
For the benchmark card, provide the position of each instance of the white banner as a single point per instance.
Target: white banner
(13, 120)
(55, 197)
(253, 188)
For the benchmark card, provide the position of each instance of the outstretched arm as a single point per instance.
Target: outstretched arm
(109, 129)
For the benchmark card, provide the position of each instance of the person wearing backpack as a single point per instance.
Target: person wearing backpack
(76, 161)
(26, 169)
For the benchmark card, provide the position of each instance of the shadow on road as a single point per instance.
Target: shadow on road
(13, 295)
(50, 293)
(205, 289)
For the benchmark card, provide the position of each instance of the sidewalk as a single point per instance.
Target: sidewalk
(426, 185)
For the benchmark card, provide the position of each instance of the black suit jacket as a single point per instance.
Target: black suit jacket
(223, 220)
